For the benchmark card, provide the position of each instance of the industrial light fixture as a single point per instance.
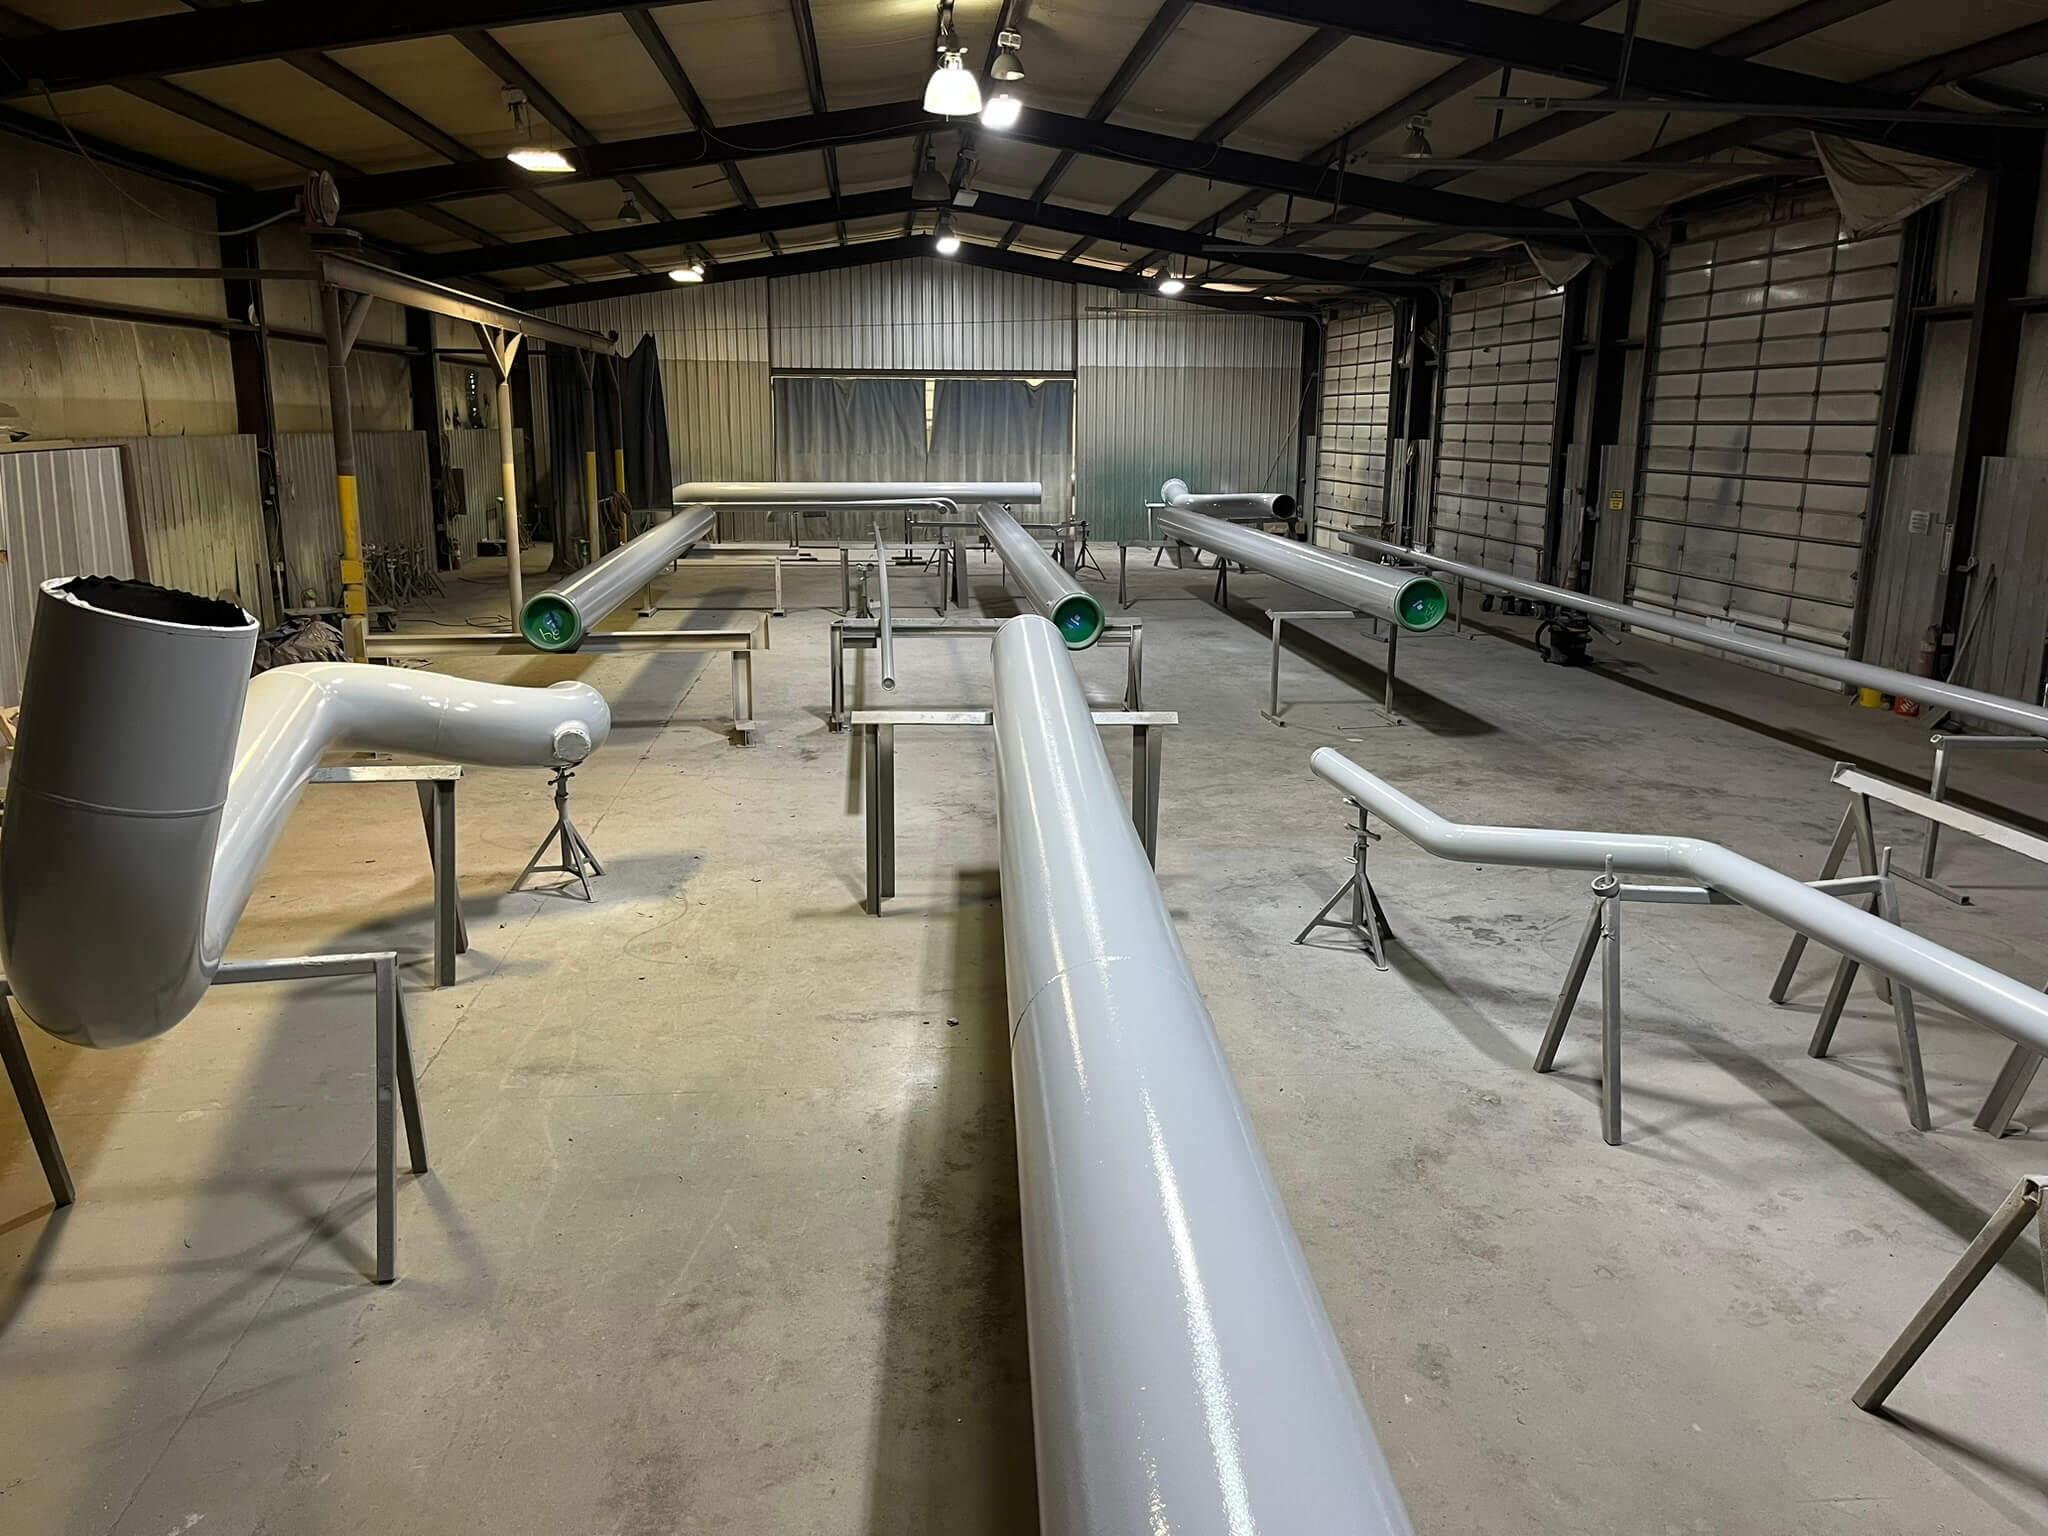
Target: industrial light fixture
(1171, 282)
(1001, 111)
(1008, 65)
(946, 239)
(952, 90)
(1416, 146)
(530, 154)
(629, 212)
(693, 273)
(929, 185)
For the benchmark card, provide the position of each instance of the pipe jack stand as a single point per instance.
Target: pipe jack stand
(1368, 919)
(1602, 933)
(577, 859)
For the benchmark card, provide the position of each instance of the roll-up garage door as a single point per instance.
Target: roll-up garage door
(1764, 403)
(1351, 432)
(1501, 362)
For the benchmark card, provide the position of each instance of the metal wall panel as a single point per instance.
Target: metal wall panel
(1909, 566)
(924, 316)
(1351, 446)
(1169, 390)
(2005, 655)
(196, 517)
(1765, 394)
(474, 451)
(1501, 366)
(63, 512)
(397, 508)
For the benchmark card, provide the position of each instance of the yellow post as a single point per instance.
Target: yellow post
(355, 599)
(619, 470)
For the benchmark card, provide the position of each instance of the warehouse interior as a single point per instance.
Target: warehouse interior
(1089, 766)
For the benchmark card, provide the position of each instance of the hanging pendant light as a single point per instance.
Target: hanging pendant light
(952, 90)
(1001, 111)
(946, 240)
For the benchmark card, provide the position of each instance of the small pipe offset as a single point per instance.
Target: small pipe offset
(1989, 708)
(1414, 602)
(1996, 1000)
(1267, 505)
(1074, 611)
(560, 618)
(152, 777)
(1184, 1376)
(885, 638)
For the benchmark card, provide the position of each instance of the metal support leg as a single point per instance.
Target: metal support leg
(845, 580)
(1854, 825)
(1123, 574)
(1887, 901)
(958, 571)
(1610, 1009)
(1273, 690)
(2009, 1088)
(29, 1095)
(387, 1119)
(1393, 638)
(451, 933)
(577, 859)
(1222, 582)
(778, 587)
(1458, 607)
(1568, 995)
(1937, 789)
(1368, 919)
(836, 648)
(1147, 745)
(743, 695)
(1134, 669)
(1866, 850)
(878, 778)
(2023, 1205)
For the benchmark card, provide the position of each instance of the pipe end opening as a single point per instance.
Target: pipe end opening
(146, 600)
(1285, 506)
(550, 624)
(1079, 620)
(1421, 604)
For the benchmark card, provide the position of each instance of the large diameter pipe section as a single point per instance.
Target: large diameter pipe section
(152, 777)
(1989, 708)
(1073, 609)
(1272, 506)
(1184, 1376)
(1411, 601)
(2015, 1010)
(560, 618)
(806, 493)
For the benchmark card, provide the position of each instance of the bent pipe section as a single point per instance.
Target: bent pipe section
(786, 493)
(1992, 998)
(1273, 505)
(1989, 708)
(561, 617)
(1073, 609)
(1184, 1376)
(152, 777)
(1414, 602)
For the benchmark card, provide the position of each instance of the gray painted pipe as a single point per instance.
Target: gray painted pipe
(1989, 708)
(2015, 1010)
(1415, 603)
(559, 618)
(794, 493)
(885, 635)
(1261, 504)
(1073, 609)
(152, 776)
(1184, 1376)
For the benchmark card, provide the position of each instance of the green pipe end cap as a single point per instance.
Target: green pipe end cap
(1421, 605)
(1079, 620)
(550, 624)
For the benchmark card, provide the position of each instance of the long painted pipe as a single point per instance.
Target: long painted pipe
(559, 618)
(152, 776)
(1184, 1376)
(1074, 610)
(1414, 602)
(1271, 505)
(885, 632)
(1989, 708)
(2015, 1010)
(800, 493)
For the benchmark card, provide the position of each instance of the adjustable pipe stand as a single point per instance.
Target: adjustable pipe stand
(1368, 919)
(577, 859)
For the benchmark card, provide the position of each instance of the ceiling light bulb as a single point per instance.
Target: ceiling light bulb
(1001, 111)
(1416, 145)
(547, 162)
(946, 239)
(629, 212)
(693, 273)
(1170, 285)
(1008, 65)
(952, 91)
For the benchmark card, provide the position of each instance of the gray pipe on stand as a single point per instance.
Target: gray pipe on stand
(885, 635)
(1414, 602)
(1184, 1376)
(1271, 506)
(1073, 609)
(152, 776)
(1989, 708)
(786, 493)
(560, 618)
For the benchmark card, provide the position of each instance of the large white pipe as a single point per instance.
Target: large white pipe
(822, 493)
(1414, 602)
(1184, 1376)
(152, 777)
(1989, 708)
(2015, 1010)
(1265, 505)
(561, 617)
(1073, 609)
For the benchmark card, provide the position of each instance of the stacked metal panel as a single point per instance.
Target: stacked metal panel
(1351, 430)
(63, 512)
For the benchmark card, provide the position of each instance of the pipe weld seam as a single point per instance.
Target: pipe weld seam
(25, 793)
(1100, 963)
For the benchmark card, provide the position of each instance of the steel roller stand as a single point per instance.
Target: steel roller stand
(577, 859)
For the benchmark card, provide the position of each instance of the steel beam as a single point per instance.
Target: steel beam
(354, 276)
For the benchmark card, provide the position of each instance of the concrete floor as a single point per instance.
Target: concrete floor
(721, 1229)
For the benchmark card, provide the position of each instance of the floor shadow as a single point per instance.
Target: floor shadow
(1986, 1470)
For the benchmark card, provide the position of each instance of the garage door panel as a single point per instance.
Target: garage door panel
(1351, 441)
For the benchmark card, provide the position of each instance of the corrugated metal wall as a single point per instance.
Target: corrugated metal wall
(925, 316)
(196, 515)
(62, 513)
(1351, 431)
(391, 476)
(475, 453)
(1169, 390)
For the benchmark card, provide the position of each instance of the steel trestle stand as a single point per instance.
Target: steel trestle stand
(577, 859)
(1368, 919)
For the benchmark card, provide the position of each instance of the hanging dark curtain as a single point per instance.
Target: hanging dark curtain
(605, 378)
(565, 453)
(650, 472)
(1007, 429)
